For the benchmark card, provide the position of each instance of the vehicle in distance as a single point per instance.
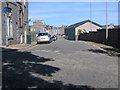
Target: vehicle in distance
(54, 38)
(43, 37)
(63, 35)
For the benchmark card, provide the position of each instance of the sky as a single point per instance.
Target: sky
(67, 13)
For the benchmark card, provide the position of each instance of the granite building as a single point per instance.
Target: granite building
(13, 22)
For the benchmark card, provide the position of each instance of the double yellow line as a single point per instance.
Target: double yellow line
(100, 48)
(97, 47)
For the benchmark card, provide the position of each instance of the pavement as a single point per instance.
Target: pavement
(17, 47)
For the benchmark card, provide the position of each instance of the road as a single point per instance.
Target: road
(61, 63)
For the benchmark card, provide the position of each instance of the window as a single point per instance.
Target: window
(42, 34)
(20, 18)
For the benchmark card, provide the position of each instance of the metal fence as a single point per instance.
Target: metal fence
(99, 37)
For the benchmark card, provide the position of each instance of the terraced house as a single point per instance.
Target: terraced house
(13, 22)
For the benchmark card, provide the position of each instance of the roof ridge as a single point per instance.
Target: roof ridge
(82, 22)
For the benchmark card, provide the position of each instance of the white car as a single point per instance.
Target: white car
(63, 35)
(43, 37)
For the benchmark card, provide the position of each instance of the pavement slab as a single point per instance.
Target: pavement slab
(17, 47)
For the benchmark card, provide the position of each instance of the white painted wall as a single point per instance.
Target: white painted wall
(88, 27)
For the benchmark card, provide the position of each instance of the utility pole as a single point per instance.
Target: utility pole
(91, 15)
(106, 20)
(44, 26)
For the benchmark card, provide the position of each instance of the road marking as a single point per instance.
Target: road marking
(45, 50)
(29, 48)
(56, 51)
(97, 47)
(100, 48)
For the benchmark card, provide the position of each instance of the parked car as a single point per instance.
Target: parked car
(63, 35)
(43, 37)
(54, 38)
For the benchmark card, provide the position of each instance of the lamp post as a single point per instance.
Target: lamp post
(44, 26)
(106, 20)
(90, 15)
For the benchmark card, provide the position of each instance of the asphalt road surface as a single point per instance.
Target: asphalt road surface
(61, 64)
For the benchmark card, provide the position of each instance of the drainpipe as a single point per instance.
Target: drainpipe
(7, 29)
(25, 35)
(0, 23)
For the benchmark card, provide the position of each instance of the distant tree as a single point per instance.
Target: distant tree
(80, 31)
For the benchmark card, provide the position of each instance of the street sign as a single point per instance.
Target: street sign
(7, 9)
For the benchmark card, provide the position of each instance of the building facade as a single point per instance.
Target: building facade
(40, 26)
(14, 22)
(37, 26)
(85, 26)
(62, 31)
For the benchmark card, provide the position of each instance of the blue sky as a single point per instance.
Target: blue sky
(67, 13)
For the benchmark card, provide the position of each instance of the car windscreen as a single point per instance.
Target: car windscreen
(42, 34)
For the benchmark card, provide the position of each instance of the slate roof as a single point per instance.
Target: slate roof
(117, 26)
(81, 23)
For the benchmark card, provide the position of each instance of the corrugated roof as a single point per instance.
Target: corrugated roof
(81, 23)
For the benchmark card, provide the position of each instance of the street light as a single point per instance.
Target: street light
(90, 15)
(106, 20)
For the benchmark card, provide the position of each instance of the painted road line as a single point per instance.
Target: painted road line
(97, 47)
(100, 48)
(9, 50)
(29, 48)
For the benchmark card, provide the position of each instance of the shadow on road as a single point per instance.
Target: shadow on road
(112, 51)
(24, 70)
(44, 42)
(97, 51)
(109, 52)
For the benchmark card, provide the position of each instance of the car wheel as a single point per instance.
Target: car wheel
(37, 43)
